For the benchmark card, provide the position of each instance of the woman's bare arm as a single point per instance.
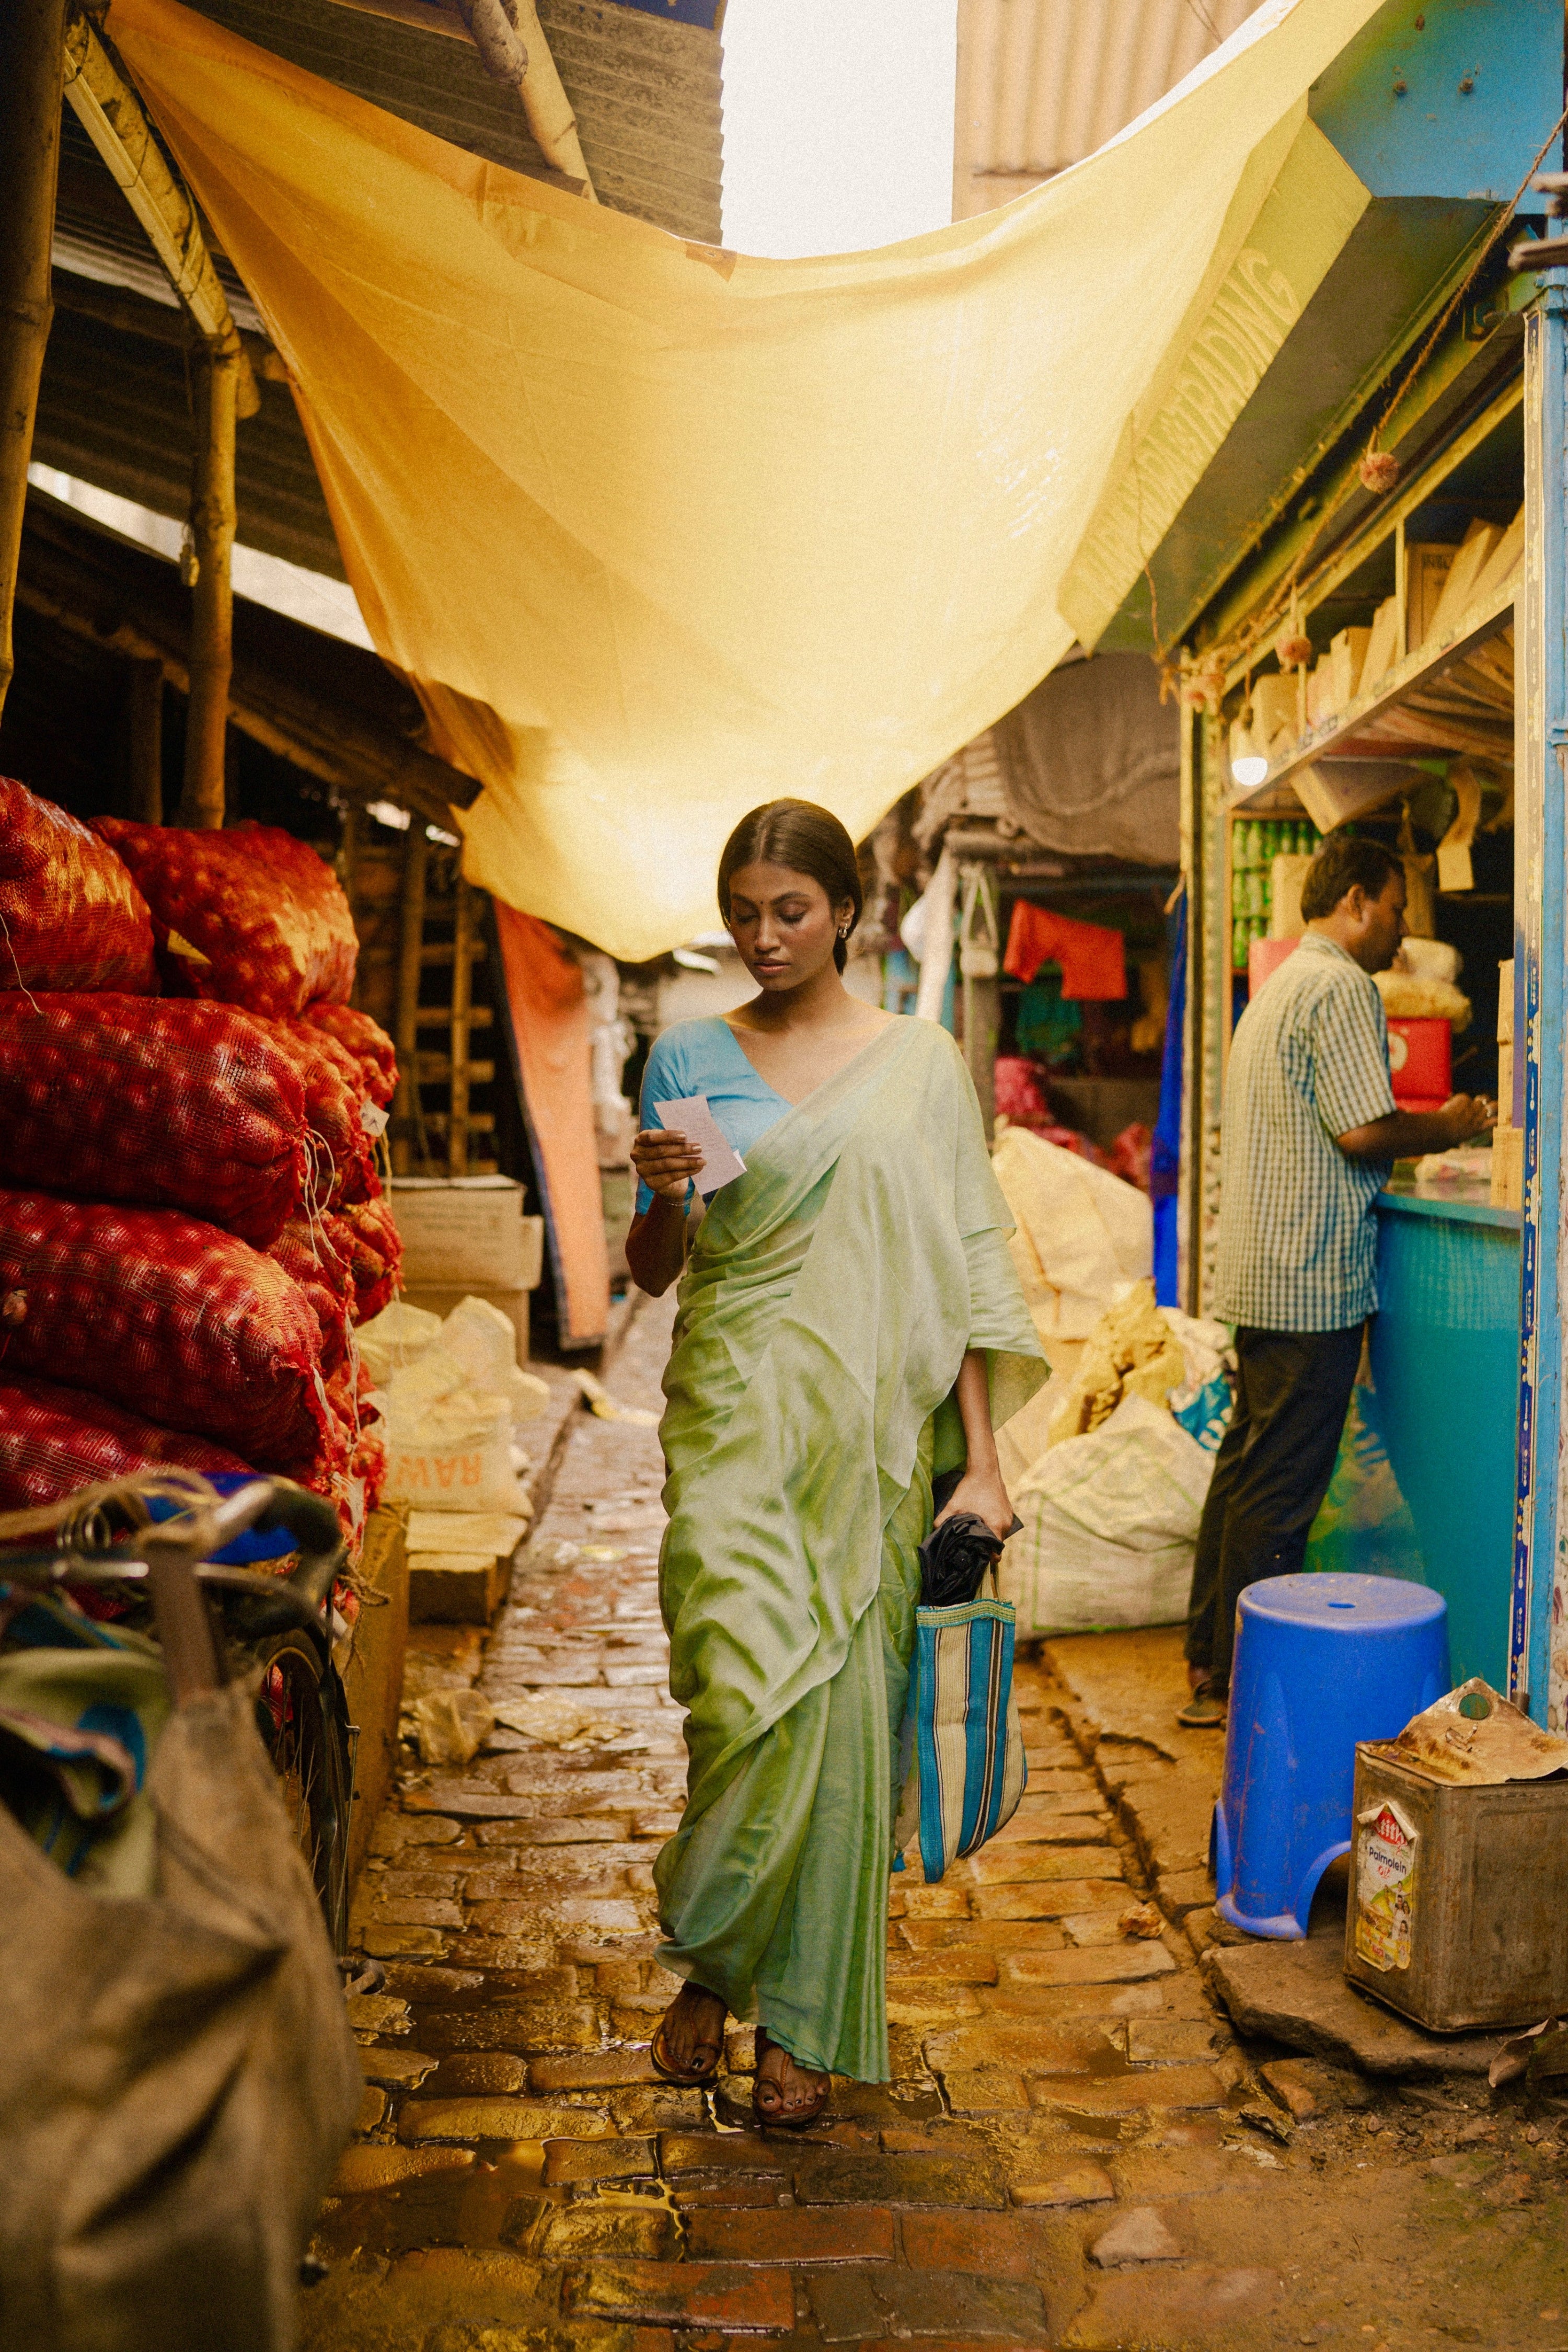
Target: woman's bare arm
(656, 1245)
(980, 1489)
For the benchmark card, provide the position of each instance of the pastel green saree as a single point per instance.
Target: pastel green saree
(830, 1296)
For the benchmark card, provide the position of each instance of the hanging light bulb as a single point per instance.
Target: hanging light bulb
(1249, 765)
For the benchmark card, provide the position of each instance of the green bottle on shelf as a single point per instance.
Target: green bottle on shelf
(1238, 946)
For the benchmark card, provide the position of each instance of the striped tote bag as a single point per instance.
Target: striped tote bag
(962, 1744)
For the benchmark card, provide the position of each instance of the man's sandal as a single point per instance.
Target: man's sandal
(772, 2106)
(1205, 1710)
(691, 2077)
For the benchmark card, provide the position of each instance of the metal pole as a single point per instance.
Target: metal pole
(1541, 983)
(217, 380)
(32, 34)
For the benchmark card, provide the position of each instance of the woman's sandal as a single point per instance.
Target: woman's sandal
(689, 2078)
(776, 2116)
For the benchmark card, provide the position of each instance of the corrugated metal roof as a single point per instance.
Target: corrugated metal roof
(114, 406)
(1043, 83)
(646, 93)
(113, 409)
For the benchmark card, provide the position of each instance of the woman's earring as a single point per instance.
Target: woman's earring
(844, 931)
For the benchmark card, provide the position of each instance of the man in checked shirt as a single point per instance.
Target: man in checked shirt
(1310, 1137)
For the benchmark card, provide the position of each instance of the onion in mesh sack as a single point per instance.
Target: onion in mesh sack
(54, 1440)
(155, 1100)
(71, 914)
(267, 915)
(168, 1317)
(367, 1040)
(334, 1097)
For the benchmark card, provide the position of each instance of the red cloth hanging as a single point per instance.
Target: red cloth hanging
(1093, 959)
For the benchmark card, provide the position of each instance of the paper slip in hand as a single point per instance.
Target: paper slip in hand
(693, 1119)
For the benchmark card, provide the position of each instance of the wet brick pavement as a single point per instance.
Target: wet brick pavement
(1073, 2150)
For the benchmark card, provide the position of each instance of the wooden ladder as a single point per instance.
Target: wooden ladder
(425, 968)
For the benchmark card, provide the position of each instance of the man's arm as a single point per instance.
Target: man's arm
(1406, 1134)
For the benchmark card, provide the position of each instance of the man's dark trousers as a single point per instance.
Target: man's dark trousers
(1293, 1389)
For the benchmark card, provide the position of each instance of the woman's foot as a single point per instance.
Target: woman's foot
(690, 2040)
(786, 2095)
(1206, 1709)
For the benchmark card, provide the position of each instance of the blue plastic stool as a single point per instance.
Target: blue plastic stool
(1321, 1662)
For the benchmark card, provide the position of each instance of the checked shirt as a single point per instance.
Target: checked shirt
(1298, 1241)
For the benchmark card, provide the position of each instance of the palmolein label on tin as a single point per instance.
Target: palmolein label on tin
(1386, 1850)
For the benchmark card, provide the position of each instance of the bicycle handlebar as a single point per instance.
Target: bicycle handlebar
(204, 1524)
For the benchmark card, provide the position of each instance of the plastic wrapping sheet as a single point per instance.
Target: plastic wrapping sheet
(657, 532)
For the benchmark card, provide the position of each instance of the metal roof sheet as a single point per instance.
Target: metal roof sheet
(1043, 83)
(646, 93)
(114, 410)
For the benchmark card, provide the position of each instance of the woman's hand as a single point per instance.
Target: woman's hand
(666, 1162)
(982, 1492)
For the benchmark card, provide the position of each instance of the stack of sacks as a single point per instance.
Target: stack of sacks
(451, 1397)
(1110, 1507)
(1108, 1464)
(159, 1153)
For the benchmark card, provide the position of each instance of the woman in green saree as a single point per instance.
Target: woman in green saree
(849, 1327)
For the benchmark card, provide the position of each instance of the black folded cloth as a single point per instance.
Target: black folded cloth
(954, 1559)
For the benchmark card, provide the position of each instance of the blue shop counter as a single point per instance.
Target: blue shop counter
(1423, 1486)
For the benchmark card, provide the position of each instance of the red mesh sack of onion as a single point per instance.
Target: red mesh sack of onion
(70, 915)
(367, 1040)
(146, 1098)
(54, 1440)
(170, 1318)
(334, 1113)
(266, 916)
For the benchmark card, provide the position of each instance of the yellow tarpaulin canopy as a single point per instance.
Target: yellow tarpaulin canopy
(659, 531)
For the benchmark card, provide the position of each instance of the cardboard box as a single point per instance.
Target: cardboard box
(1276, 706)
(467, 1232)
(1332, 790)
(1348, 654)
(1426, 569)
(455, 1588)
(1507, 1168)
(1381, 645)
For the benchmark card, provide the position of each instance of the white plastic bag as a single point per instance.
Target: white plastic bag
(482, 1339)
(1110, 1525)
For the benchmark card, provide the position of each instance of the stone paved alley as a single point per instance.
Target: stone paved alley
(1075, 2150)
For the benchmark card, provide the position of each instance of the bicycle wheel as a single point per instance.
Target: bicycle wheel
(303, 1723)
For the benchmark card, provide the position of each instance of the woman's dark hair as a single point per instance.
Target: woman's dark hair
(806, 838)
(1341, 863)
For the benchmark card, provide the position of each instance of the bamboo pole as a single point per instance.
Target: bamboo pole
(30, 41)
(342, 747)
(513, 49)
(111, 113)
(144, 714)
(216, 386)
(225, 390)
